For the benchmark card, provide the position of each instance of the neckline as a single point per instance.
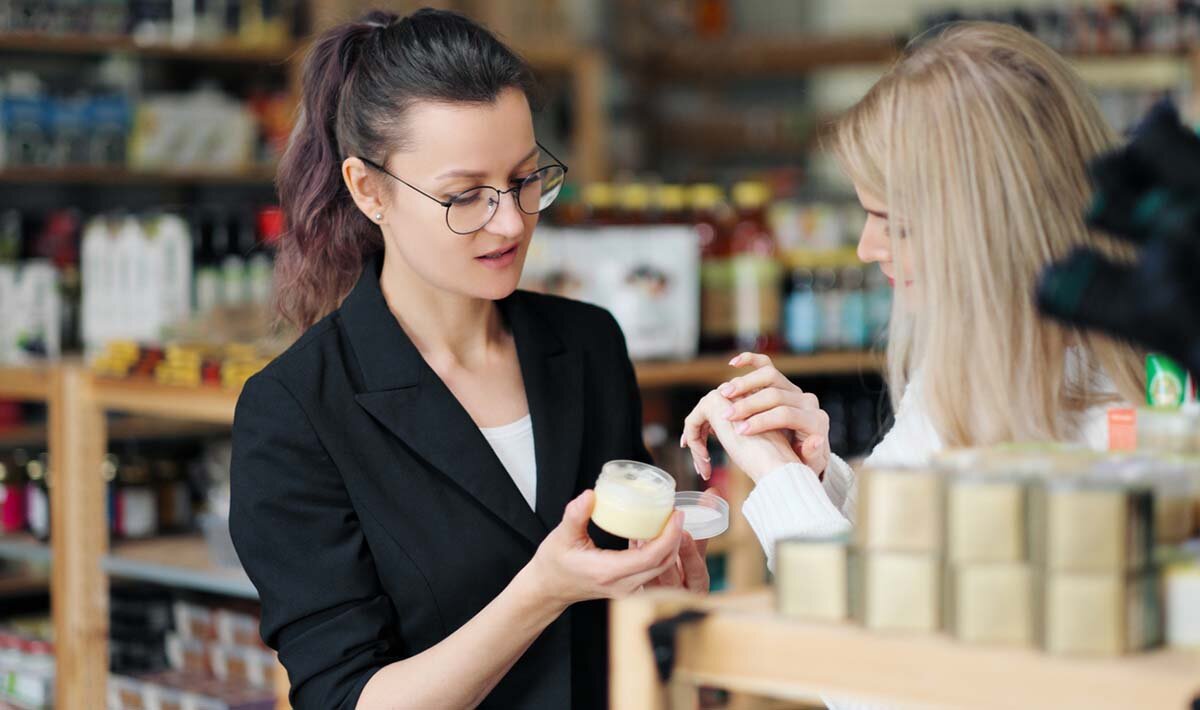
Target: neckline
(510, 430)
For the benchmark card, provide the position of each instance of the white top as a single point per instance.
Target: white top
(792, 502)
(513, 444)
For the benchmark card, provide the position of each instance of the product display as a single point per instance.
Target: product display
(812, 578)
(900, 510)
(996, 603)
(900, 591)
(1102, 613)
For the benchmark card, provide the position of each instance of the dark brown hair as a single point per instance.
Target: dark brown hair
(358, 80)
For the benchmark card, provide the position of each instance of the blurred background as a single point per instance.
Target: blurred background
(138, 142)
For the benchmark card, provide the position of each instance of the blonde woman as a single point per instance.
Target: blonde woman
(970, 158)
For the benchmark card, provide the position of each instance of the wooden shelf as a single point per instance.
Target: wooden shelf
(25, 547)
(209, 404)
(1144, 72)
(119, 176)
(30, 383)
(710, 371)
(744, 647)
(734, 59)
(229, 51)
(177, 562)
(135, 428)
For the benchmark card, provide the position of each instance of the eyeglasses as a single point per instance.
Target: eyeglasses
(471, 210)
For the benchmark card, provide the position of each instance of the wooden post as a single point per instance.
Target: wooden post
(590, 142)
(633, 680)
(78, 525)
(745, 567)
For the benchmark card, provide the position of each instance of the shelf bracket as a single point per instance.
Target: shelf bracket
(662, 640)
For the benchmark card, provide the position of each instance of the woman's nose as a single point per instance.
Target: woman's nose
(874, 246)
(509, 220)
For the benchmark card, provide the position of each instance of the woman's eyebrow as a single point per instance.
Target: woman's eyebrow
(480, 174)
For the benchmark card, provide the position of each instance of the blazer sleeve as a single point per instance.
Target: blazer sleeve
(297, 535)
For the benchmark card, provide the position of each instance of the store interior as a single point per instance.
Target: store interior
(138, 222)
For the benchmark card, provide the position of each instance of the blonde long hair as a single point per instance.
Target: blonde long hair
(979, 138)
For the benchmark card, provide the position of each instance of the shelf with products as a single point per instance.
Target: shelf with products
(120, 176)
(742, 645)
(1145, 72)
(177, 561)
(228, 51)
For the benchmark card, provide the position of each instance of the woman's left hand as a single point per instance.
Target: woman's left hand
(691, 567)
(765, 400)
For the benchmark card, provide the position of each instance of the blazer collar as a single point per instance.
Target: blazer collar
(407, 397)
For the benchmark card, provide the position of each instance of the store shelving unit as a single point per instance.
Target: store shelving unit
(729, 60)
(122, 177)
(743, 646)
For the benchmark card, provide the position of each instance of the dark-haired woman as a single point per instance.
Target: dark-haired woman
(411, 478)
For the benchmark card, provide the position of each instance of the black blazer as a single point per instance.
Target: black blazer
(374, 518)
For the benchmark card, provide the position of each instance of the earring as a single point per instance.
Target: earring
(378, 216)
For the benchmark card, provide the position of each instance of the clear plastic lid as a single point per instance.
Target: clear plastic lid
(635, 484)
(705, 514)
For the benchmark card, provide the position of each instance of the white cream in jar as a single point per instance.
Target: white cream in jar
(633, 500)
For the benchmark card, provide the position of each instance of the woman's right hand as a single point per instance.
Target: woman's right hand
(569, 568)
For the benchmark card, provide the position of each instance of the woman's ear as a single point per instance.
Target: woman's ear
(364, 188)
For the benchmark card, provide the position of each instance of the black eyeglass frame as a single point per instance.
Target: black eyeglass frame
(499, 193)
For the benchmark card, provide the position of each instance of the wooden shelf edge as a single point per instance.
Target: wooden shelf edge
(176, 562)
(710, 371)
(30, 383)
(749, 650)
(208, 404)
(230, 51)
(24, 547)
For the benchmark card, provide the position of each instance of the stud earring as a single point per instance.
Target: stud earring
(378, 216)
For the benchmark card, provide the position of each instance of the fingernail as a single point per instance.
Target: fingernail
(742, 428)
(725, 389)
(734, 361)
(728, 413)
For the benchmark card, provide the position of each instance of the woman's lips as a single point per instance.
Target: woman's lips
(499, 259)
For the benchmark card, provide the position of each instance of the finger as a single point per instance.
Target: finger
(641, 579)
(666, 545)
(673, 577)
(578, 512)
(750, 360)
(762, 401)
(695, 566)
(650, 555)
(753, 381)
(814, 452)
(805, 422)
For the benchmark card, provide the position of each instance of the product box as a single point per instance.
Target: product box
(900, 510)
(1102, 614)
(813, 578)
(993, 603)
(647, 277)
(898, 591)
(1089, 526)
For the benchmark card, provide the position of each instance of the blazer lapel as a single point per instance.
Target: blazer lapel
(407, 397)
(553, 378)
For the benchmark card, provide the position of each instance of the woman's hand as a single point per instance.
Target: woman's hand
(569, 568)
(690, 570)
(764, 400)
(756, 454)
